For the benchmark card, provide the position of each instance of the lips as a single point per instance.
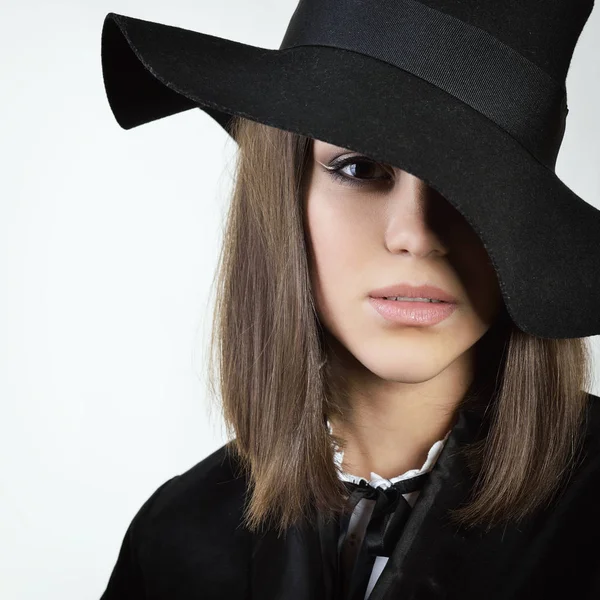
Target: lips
(410, 313)
(410, 291)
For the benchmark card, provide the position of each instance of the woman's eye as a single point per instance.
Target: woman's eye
(360, 171)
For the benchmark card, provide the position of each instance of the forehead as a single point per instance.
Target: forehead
(325, 146)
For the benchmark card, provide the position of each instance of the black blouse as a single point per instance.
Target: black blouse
(186, 541)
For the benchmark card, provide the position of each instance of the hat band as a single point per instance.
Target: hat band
(461, 59)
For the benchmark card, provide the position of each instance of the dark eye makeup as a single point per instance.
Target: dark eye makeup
(334, 168)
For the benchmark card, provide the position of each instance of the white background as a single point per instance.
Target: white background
(108, 246)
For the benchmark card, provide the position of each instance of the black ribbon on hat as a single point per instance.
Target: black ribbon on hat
(465, 61)
(390, 513)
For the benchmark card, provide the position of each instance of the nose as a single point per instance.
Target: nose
(415, 217)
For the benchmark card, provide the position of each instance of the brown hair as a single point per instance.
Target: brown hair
(275, 396)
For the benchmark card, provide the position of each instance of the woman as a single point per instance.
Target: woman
(381, 447)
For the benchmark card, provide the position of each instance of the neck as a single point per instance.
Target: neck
(391, 426)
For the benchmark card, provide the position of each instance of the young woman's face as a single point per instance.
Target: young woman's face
(390, 227)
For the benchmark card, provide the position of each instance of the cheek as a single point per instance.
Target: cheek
(338, 250)
(340, 242)
(472, 267)
(336, 237)
(480, 281)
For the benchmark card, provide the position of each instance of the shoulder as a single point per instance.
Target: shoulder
(202, 505)
(592, 425)
(186, 540)
(582, 485)
(565, 539)
(212, 484)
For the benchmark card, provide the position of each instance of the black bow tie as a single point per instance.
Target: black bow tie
(389, 514)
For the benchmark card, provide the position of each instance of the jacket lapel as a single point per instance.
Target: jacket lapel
(436, 559)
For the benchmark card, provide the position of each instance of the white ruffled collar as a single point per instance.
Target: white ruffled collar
(378, 481)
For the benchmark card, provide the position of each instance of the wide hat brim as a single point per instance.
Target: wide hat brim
(541, 237)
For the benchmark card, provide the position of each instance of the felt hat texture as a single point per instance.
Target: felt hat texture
(467, 95)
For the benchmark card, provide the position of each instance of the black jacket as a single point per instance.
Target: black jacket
(186, 542)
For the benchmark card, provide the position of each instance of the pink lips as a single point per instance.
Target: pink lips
(413, 312)
(410, 291)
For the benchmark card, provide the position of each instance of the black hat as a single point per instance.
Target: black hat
(467, 95)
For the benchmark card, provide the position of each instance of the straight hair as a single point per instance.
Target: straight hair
(269, 373)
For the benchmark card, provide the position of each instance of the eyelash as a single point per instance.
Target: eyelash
(335, 168)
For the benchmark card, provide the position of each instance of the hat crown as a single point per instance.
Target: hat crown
(545, 33)
(507, 60)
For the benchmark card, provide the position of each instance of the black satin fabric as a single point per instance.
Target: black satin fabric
(388, 514)
(187, 543)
